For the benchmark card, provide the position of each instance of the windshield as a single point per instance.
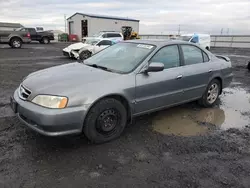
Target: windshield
(91, 41)
(185, 38)
(98, 34)
(121, 57)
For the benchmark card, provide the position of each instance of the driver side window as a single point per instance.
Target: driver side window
(168, 55)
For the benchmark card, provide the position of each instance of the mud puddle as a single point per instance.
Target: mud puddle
(232, 111)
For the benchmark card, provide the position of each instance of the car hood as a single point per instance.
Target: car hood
(66, 80)
(77, 46)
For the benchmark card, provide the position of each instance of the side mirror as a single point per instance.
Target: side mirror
(155, 67)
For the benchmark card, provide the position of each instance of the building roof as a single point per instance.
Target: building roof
(11, 25)
(104, 17)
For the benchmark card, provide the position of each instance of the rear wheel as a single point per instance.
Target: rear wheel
(211, 94)
(105, 121)
(16, 42)
(84, 55)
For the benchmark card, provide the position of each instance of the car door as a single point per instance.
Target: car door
(196, 71)
(101, 45)
(155, 90)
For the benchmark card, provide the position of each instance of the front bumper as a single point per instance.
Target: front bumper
(70, 53)
(50, 122)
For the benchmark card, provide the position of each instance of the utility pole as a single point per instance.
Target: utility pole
(221, 32)
(179, 30)
(65, 23)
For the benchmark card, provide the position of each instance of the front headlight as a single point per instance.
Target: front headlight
(50, 101)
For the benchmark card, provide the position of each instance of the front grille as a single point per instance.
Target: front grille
(24, 93)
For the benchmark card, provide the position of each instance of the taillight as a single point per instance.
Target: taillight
(28, 35)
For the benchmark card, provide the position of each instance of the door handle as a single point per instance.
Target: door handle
(179, 77)
(211, 70)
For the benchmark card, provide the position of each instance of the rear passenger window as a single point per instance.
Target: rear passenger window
(169, 56)
(205, 57)
(192, 54)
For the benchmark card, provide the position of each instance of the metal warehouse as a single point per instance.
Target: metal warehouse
(84, 25)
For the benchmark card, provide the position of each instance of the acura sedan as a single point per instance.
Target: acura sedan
(99, 96)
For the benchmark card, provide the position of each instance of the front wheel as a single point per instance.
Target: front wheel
(211, 94)
(84, 55)
(105, 121)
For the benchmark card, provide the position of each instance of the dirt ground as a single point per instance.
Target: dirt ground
(185, 146)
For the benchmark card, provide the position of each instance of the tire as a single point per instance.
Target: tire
(84, 55)
(248, 66)
(105, 121)
(211, 95)
(16, 42)
(45, 40)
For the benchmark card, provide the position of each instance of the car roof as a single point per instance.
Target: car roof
(157, 42)
(110, 32)
(199, 34)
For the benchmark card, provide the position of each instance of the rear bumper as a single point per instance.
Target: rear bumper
(7, 40)
(50, 122)
(51, 38)
(26, 40)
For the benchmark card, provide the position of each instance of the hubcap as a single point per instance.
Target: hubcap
(45, 41)
(85, 55)
(213, 93)
(16, 43)
(107, 121)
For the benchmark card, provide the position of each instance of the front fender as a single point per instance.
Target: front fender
(113, 95)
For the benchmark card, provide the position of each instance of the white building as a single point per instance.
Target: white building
(89, 24)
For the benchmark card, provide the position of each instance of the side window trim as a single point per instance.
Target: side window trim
(179, 52)
(203, 52)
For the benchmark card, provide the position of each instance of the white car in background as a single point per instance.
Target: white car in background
(107, 34)
(83, 50)
(202, 40)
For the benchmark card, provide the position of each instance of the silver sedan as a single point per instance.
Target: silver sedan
(101, 95)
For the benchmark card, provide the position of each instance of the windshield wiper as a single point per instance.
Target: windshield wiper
(99, 67)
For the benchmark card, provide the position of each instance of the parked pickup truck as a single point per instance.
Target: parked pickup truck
(44, 37)
(14, 38)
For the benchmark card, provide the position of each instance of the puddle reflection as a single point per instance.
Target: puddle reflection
(233, 112)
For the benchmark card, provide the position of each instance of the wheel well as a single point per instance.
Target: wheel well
(15, 37)
(123, 100)
(125, 103)
(220, 80)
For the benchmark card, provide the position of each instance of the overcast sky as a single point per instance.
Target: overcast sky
(156, 16)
